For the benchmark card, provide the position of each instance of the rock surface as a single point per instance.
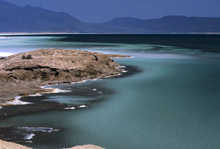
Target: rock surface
(24, 73)
(87, 147)
(10, 145)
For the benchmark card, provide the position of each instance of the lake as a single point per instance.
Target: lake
(172, 100)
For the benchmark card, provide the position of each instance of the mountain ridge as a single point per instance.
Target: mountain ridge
(169, 24)
(31, 19)
(34, 19)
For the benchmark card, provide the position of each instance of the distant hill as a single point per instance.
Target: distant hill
(35, 19)
(170, 24)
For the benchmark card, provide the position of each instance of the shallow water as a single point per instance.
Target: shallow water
(173, 102)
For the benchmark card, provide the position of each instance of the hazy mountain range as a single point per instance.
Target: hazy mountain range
(35, 19)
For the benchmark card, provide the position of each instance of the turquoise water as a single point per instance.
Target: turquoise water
(173, 102)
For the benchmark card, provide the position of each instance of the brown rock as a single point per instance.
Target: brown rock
(24, 73)
(87, 147)
(9, 145)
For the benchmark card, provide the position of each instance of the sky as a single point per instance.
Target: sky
(97, 11)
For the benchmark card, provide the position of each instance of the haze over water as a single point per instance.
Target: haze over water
(172, 102)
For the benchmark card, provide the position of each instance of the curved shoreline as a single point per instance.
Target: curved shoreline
(46, 90)
(30, 99)
(14, 90)
(21, 76)
(39, 105)
(18, 87)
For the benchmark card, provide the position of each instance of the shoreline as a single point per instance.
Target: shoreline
(39, 105)
(63, 74)
(11, 145)
(46, 89)
(20, 103)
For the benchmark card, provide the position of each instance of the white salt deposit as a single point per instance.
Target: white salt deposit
(70, 108)
(82, 106)
(17, 101)
(29, 137)
(4, 54)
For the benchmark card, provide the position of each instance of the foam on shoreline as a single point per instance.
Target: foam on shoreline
(16, 101)
(57, 90)
(50, 90)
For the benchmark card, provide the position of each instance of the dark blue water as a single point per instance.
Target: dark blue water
(172, 102)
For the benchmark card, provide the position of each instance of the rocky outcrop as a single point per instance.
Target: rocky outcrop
(24, 73)
(87, 147)
(10, 145)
